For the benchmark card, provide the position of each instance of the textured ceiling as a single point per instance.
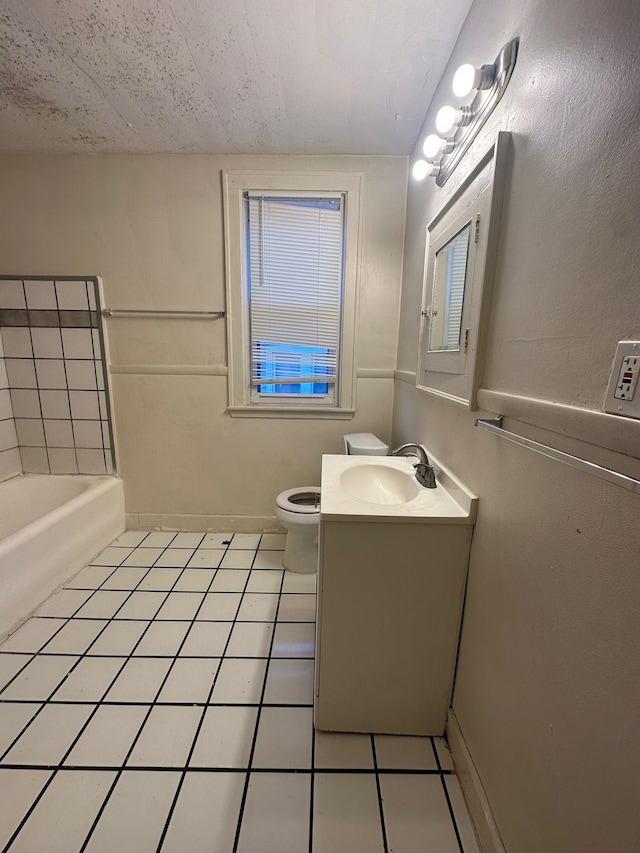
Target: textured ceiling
(221, 76)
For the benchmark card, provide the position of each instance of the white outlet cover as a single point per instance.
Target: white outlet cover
(616, 406)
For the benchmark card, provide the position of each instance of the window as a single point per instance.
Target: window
(291, 286)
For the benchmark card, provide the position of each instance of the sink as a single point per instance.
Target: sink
(379, 484)
(384, 488)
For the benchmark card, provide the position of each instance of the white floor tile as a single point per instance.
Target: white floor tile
(174, 558)
(102, 605)
(40, 678)
(145, 557)
(228, 580)
(158, 540)
(268, 560)
(245, 541)
(118, 638)
(284, 739)
(187, 540)
(240, 681)
(190, 680)
(444, 756)
(339, 751)
(294, 640)
(140, 680)
(416, 814)
(205, 558)
(194, 580)
(163, 639)
(131, 538)
(76, 637)
(159, 580)
(180, 605)
(297, 608)
(50, 735)
(111, 557)
(9, 666)
(265, 581)
(394, 752)
(461, 814)
(141, 605)
(134, 817)
(166, 737)
(126, 577)
(32, 635)
(220, 606)
(207, 639)
(90, 577)
(18, 790)
(289, 682)
(108, 737)
(14, 716)
(250, 640)
(276, 814)
(63, 817)
(237, 560)
(225, 738)
(216, 540)
(298, 582)
(346, 814)
(64, 603)
(89, 681)
(258, 607)
(273, 542)
(206, 814)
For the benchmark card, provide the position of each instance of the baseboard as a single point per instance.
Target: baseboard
(474, 793)
(204, 523)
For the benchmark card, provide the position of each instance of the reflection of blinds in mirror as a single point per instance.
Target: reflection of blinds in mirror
(457, 269)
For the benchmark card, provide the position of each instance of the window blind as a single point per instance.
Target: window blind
(295, 271)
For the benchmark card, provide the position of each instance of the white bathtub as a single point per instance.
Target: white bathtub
(51, 526)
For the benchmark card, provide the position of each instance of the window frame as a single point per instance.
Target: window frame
(242, 402)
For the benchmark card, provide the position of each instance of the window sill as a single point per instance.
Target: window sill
(300, 412)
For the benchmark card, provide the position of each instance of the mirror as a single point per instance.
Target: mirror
(450, 275)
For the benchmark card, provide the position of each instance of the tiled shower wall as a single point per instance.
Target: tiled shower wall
(56, 375)
(9, 454)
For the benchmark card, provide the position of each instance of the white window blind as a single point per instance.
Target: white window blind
(295, 273)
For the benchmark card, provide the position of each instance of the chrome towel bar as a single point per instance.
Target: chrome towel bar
(142, 312)
(495, 425)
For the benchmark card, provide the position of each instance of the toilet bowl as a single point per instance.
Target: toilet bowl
(299, 509)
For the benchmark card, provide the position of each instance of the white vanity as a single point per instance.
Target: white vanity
(392, 572)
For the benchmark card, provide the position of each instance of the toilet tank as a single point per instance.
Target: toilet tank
(364, 444)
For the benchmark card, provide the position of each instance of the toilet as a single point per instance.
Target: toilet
(299, 509)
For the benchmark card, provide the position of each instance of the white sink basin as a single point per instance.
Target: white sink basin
(384, 488)
(379, 484)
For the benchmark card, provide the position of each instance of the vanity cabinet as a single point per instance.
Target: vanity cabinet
(390, 598)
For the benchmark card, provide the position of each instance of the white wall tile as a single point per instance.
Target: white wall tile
(4, 379)
(72, 295)
(84, 405)
(25, 403)
(77, 343)
(21, 373)
(40, 294)
(10, 464)
(62, 460)
(16, 341)
(8, 437)
(58, 433)
(51, 373)
(87, 433)
(12, 294)
(55, 404)
(34, 460)
(6, 409)
(47, 343)
(90, 461)
(81, 374)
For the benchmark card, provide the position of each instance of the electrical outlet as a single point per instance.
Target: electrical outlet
(622, 397)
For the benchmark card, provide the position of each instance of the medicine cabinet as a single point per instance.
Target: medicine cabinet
(460, 256)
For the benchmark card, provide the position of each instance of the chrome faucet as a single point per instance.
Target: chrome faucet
(425, 474)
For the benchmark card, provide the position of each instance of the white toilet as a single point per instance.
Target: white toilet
(299, 509)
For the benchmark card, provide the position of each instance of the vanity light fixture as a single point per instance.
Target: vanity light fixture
(460, 125)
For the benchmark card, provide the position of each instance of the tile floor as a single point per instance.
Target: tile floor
(163, 701)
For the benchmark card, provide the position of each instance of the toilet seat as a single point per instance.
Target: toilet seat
(305, 500)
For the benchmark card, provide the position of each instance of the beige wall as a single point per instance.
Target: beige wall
(548, 682)
(151, 227)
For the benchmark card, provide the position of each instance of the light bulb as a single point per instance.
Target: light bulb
(433, 146)
(448, 118)
(420, 170)
(467, 78)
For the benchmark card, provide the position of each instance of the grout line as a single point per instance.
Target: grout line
(453, 817)
(380, 805)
